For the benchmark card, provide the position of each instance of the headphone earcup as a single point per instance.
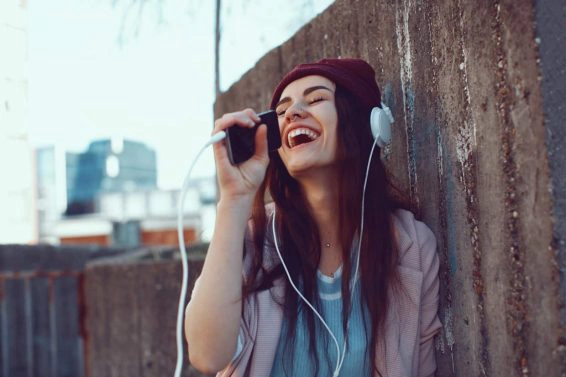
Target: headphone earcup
(380, 122)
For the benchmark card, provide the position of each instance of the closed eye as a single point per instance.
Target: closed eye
(315, 100)
(281, 111)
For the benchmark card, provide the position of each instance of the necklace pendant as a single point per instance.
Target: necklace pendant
(327, 244)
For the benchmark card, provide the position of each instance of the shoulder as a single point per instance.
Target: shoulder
(415, 240)
(269, 214)
(418, 308)
(408, 226)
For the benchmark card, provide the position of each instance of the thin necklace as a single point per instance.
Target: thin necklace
(328, 245)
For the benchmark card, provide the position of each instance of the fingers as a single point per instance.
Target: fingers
(244, 118)
(261, 147)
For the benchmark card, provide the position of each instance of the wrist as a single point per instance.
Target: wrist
(241, 204)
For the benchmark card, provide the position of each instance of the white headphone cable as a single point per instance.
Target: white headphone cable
(337, 370)
(180, 354)
(359, 243)
(180, 208)
(340, 355)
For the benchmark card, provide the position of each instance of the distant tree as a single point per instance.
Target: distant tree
(133, 12)
(132, 17)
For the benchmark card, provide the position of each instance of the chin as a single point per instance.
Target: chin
(298, 170)
(308, 162)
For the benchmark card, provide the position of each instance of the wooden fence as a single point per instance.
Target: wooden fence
(41, 299)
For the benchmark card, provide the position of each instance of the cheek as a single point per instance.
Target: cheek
(333, 128)
(331, 118)
(281, 153)
(280, 121)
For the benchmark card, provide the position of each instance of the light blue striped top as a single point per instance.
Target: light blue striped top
(299, 362)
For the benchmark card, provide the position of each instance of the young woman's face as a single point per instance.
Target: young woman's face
(308, 121)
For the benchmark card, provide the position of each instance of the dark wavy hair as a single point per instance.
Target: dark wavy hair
(299, 239)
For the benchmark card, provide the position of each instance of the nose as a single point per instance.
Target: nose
(295, 112)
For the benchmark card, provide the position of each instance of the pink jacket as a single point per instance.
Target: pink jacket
(411, 322)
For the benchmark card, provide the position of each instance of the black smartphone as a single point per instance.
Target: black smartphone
(240, 141)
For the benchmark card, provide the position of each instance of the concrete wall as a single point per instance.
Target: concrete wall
(469, 93)
(131, 313)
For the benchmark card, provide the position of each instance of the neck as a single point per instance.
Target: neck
(321, 193)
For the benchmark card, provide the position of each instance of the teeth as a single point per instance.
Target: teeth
(300, 131)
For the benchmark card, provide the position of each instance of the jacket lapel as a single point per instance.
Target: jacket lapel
(396, 353)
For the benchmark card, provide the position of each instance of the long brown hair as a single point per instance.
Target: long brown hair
(299, 239)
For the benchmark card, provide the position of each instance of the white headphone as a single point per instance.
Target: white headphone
(380, 120)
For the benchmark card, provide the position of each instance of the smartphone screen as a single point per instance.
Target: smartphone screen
(240, 141)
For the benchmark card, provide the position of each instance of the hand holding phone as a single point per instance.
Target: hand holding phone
(240, 140)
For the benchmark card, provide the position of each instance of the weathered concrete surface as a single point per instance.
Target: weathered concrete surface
(474, 136)
(131, 313)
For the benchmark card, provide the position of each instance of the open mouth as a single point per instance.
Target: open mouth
(300, 136)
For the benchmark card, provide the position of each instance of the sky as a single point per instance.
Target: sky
(97, 70)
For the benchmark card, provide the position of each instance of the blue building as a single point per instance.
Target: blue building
(110, 165)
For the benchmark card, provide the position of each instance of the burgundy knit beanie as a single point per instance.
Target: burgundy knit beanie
(354, 75)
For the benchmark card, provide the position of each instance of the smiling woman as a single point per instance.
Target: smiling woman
(335, 282)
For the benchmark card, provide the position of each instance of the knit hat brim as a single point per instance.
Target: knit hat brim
(354, 75)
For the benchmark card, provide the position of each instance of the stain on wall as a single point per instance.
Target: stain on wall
(550, 21)
(473, 147)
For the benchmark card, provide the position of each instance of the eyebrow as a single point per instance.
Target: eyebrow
(306, 92)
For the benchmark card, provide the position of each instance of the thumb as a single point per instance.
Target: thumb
(261, 147)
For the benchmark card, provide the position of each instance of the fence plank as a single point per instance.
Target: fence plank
(41, 327)
(67, 333)
(16, 331)
(3, 334)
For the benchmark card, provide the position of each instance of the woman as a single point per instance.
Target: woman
(367, 267)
